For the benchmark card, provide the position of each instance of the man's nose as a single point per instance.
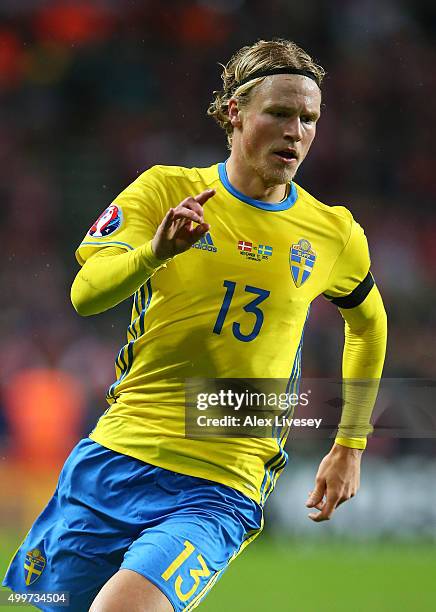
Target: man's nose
(293, 129)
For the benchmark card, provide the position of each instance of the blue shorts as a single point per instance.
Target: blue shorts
(111, 511)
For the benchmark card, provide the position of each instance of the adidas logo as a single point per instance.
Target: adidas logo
(205, 244)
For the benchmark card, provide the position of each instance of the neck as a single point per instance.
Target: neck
(250, 184)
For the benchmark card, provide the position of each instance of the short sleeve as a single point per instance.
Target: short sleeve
(130, 220)
(350, 280)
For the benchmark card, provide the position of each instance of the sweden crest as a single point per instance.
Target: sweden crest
(301, 260)
(34, 565)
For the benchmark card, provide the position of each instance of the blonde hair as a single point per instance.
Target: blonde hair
(263, 55)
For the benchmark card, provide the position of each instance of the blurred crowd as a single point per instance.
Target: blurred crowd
(94, 93)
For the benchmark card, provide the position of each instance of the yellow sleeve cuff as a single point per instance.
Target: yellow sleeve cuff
(352, 442)
(149, 259)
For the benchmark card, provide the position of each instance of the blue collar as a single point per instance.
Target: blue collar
(290, 200)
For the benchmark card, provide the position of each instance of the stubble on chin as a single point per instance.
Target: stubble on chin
(277, 176)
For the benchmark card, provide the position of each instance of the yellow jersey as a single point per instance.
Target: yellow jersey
(232, 306)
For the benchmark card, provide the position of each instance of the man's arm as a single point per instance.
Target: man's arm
(112, 274)
(338, 475)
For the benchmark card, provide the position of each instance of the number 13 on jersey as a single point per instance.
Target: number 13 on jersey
(252, 307)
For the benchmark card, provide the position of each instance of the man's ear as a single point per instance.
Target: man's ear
(234, 113)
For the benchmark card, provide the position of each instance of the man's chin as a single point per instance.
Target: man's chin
(280, 176)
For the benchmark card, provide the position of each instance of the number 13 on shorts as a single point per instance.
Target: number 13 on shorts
(196, 574)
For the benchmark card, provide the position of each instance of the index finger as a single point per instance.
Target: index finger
(203, 197)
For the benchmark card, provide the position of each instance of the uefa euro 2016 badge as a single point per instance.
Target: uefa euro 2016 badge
(108, 222)
(34, 565)
(301, 259)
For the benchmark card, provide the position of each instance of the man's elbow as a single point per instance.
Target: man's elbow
(369, 316)
(383, 318)
(376, 322)
(82, 308)
(82, 304)
(379, 318)
(374, 325)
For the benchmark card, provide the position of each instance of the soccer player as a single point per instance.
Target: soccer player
(145, 518)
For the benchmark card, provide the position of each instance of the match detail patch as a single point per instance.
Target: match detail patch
(254, 252)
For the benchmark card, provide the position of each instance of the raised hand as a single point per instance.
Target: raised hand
(177, 232)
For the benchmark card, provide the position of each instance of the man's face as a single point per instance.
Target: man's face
(273, 132)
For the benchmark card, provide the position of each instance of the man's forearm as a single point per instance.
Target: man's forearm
(363, 359)
(111, 276)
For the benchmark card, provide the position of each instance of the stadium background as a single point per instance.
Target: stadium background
(93, 93)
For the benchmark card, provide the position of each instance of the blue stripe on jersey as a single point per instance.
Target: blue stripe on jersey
(145, 305)
(122, 358)
(287, 203)
(274, 459)
(275, 473)
(124, 365)
(293, 382)
(135, 302)
(293, 385)
(138, 307)
(275, 466)
(290, 388)
(272, 467)
(131, 330)
(119, 361)
(111, 242)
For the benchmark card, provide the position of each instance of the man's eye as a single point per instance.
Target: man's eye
(278, 113)
(307, 119)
